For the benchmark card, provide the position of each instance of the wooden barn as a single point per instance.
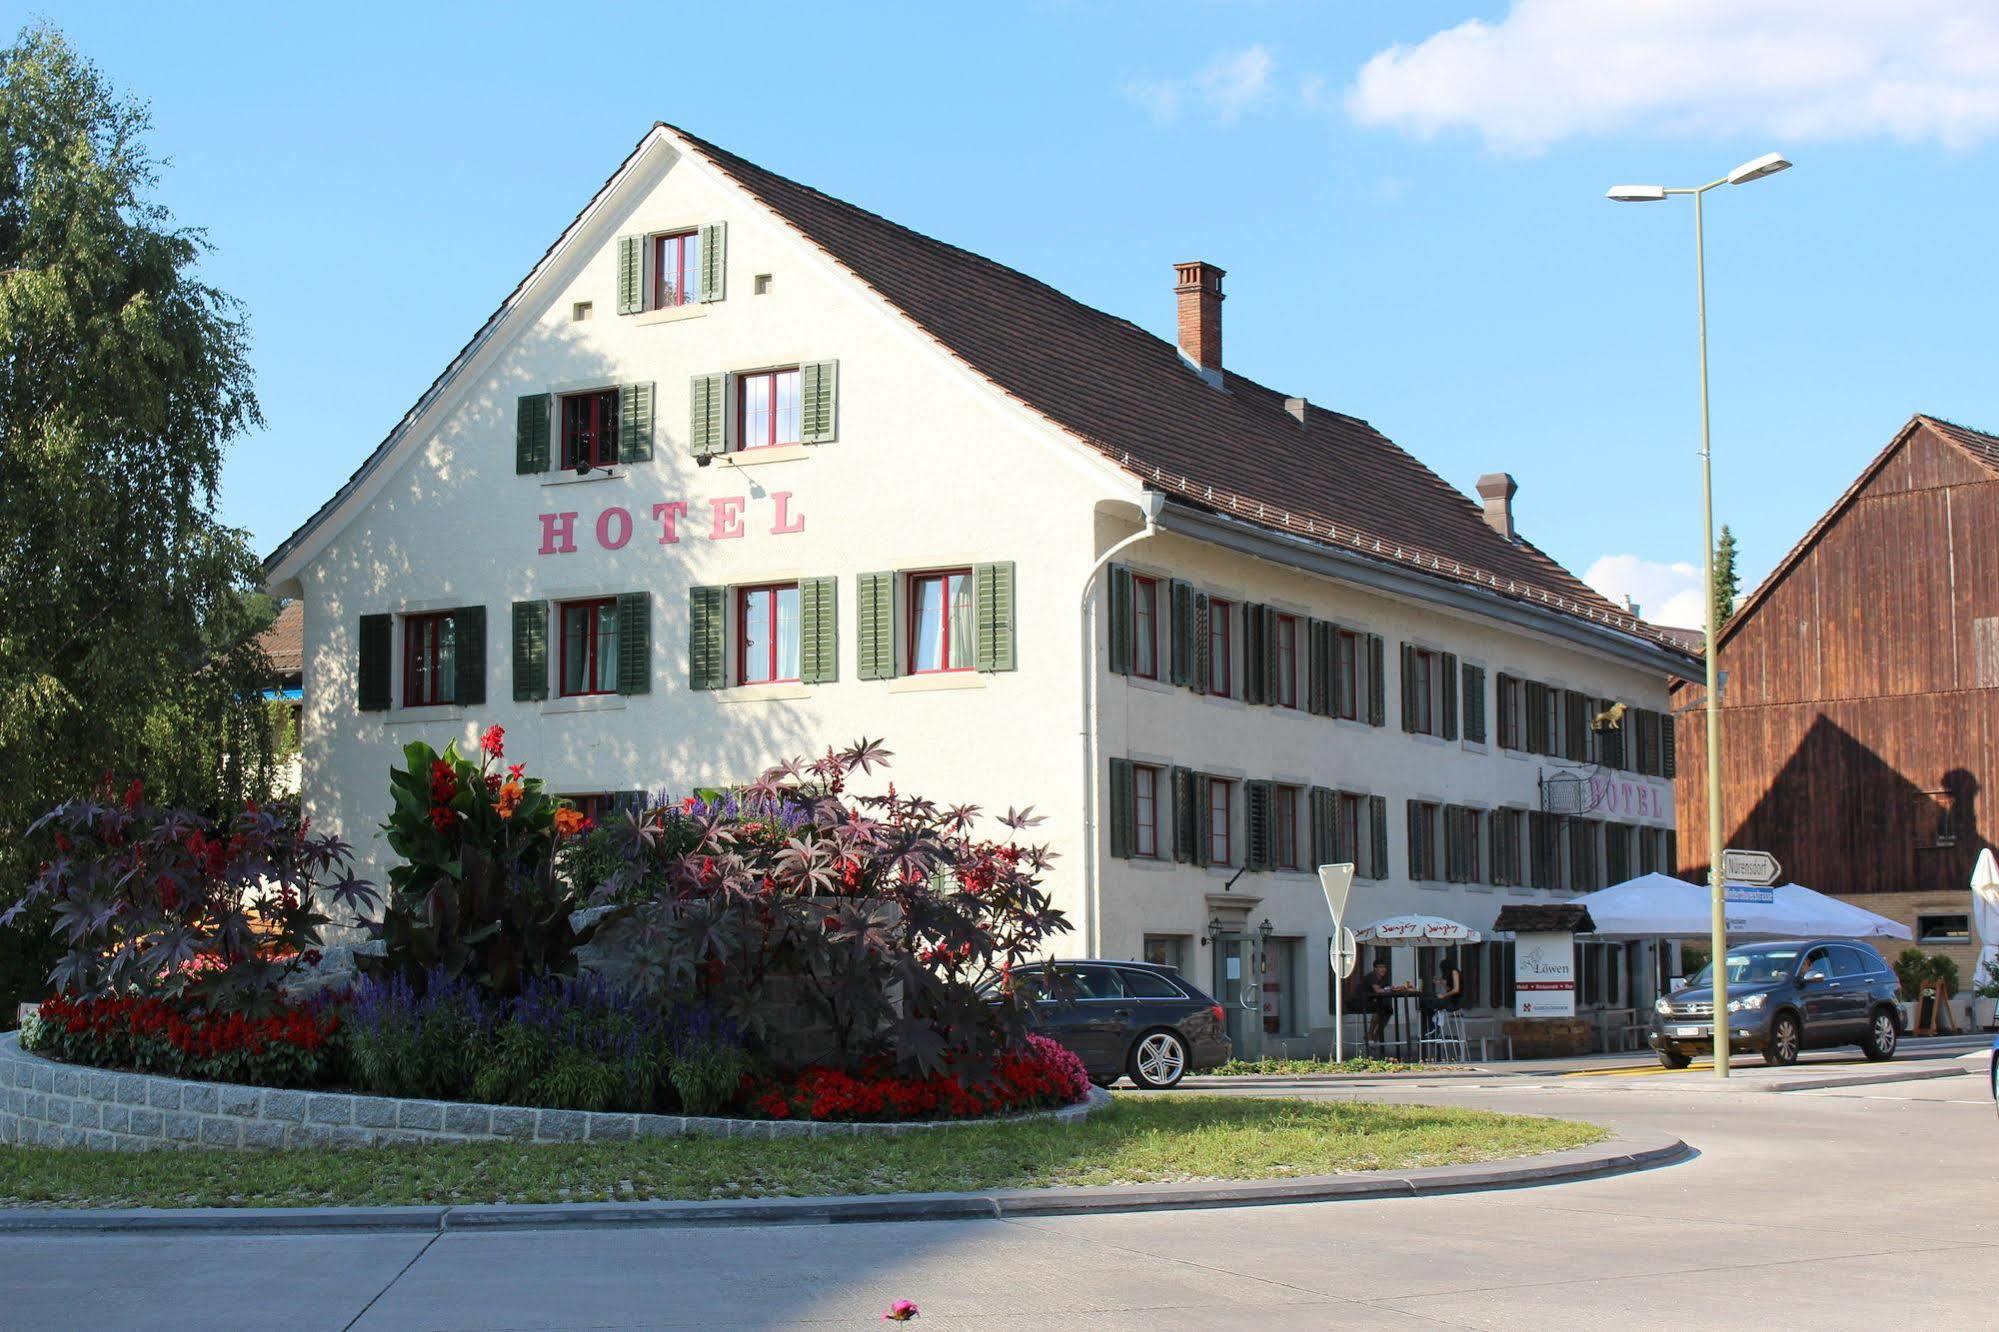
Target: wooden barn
(1861, 693)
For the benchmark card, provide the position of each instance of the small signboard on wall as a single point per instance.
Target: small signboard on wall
(1544, 975)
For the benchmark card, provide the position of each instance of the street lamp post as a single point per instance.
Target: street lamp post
(1767, 165)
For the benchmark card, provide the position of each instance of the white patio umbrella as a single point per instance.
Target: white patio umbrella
(1659, 906)
(1985, 912)
(1414, 929)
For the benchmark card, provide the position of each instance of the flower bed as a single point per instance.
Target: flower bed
(1042, 1076)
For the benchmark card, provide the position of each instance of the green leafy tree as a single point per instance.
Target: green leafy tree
(1727, 583)
(127, 611)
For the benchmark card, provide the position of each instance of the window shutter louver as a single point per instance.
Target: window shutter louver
(1345, 839)
(1669, 763)
(1474, 695)
(1377, 710)
(1575, 721)
(993, 600)
(1315, 668)
(376, 636)
(1186, 818)
(1509, 736)
(634, 423)
(1255, 654)
(1120, 620)
(468, 638)
(1536, 698)
(1267, 639)
(635, 643)
(714, 261)
(1257, 800)
(1447, 684)
(1182, 602)
(1323, 815)
(875, 622)
(1203, 645)
(1419, 854)
(530, 651)
(1495, 823)
(1336, 676)
(707, 637)
(1123, 810)
(818, 407)
(1408, 688)
(707, 427)
(1204, 839)
(631, 274)
(1672, 840)
(1377, 851)
(530, 434)
(818, 630)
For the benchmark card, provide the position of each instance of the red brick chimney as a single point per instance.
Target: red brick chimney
(1199, 287)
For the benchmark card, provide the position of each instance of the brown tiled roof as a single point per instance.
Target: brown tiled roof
(1129, 394)
(1982, 447)
(284, 641)
(1687, 640)
(1544, 918)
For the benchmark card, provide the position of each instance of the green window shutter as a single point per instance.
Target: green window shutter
(635, 642)
(1377, 817)
(707, 637)
(1186, 818)
(1509, 721)
(530, 651)
(992, 596)
(468, 640)
(1323, 806)
(818, 630)
(1336, 675)
(714, 260)
(1267, 636)
(1377, 711)
(530, 434)
(1346, 841)
(1318, 668)
(377, 632)
(1123, 809)
(1669, 762)
(634, 423)
(818, 401)
(1408, 688)
(1203, 654)
(1255, 654)
(1257, 801)
(631, 274)
(1474, 703)
(1447, 681)
(875, 620)
(1119, 658)
(1672, 865)
(707, 426)
(1417, 853)
(1182, 601)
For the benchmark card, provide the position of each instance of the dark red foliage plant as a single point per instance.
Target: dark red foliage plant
(164, 903)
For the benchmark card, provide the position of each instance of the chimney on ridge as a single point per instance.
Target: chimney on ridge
(1199, 287)
(1495, 495)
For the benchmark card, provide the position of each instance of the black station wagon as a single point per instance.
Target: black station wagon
(1134, 1019)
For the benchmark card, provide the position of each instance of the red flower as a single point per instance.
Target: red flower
(514, 770)
(442, 818)
(134, 794)
(443, 782)
(493, 741)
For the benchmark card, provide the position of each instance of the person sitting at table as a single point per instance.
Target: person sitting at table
(1449, 996)
(1379, 992)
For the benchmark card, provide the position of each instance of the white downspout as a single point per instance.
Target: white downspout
(1153, 505)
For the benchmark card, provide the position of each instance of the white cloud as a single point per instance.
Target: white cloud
(1665, 593)
(1783, 70)
(1225, 87)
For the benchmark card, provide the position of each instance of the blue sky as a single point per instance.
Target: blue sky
(1410, 210)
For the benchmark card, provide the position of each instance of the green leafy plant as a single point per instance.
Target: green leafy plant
(1914, 968)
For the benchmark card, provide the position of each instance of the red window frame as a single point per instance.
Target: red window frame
(767, 384)
(676, 269)
(1145, 781)
(1221, 801)
(1145, 627)
(1423, 669)
(1221, 643)
(1284, 827)
(590, 429)
(1284, 647)
(423, 660)
(772, 650)
(945, 661)
(1346, 649)
(593, 611)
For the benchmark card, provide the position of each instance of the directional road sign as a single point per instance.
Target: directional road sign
(1759, 869)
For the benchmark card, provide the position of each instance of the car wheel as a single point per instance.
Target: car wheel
(1784, 1041)
(1675, 1059)
(1158, 1060)
(1880, 1041)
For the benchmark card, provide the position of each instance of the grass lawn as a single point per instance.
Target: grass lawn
(1142, 1138)
(1236, 1068)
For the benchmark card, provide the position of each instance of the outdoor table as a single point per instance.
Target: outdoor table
(1403, 1021)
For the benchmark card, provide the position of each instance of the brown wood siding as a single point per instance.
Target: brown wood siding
(1855, 694)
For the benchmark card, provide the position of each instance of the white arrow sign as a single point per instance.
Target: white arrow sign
(1759, 869)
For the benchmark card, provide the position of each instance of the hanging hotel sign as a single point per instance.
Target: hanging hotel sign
(724, 518)
(1544, 974)
(1612, 793)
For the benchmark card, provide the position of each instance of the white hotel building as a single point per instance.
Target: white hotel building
(740, 471)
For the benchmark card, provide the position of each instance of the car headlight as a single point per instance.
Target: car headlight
(1662, 1006)
(1748, 1003)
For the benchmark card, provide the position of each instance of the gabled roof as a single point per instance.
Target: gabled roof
(284, 641)
(1981, 448)
(1128, 394)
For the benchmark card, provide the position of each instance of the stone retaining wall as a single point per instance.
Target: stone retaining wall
(64, 1105)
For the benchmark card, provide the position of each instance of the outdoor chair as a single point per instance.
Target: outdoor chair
(1487, 1034)
(1449, 1042)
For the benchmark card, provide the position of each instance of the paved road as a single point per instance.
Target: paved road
(1813, 1208)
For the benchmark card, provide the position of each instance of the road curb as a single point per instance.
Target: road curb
(1620, 1155)
(1880, 1079)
